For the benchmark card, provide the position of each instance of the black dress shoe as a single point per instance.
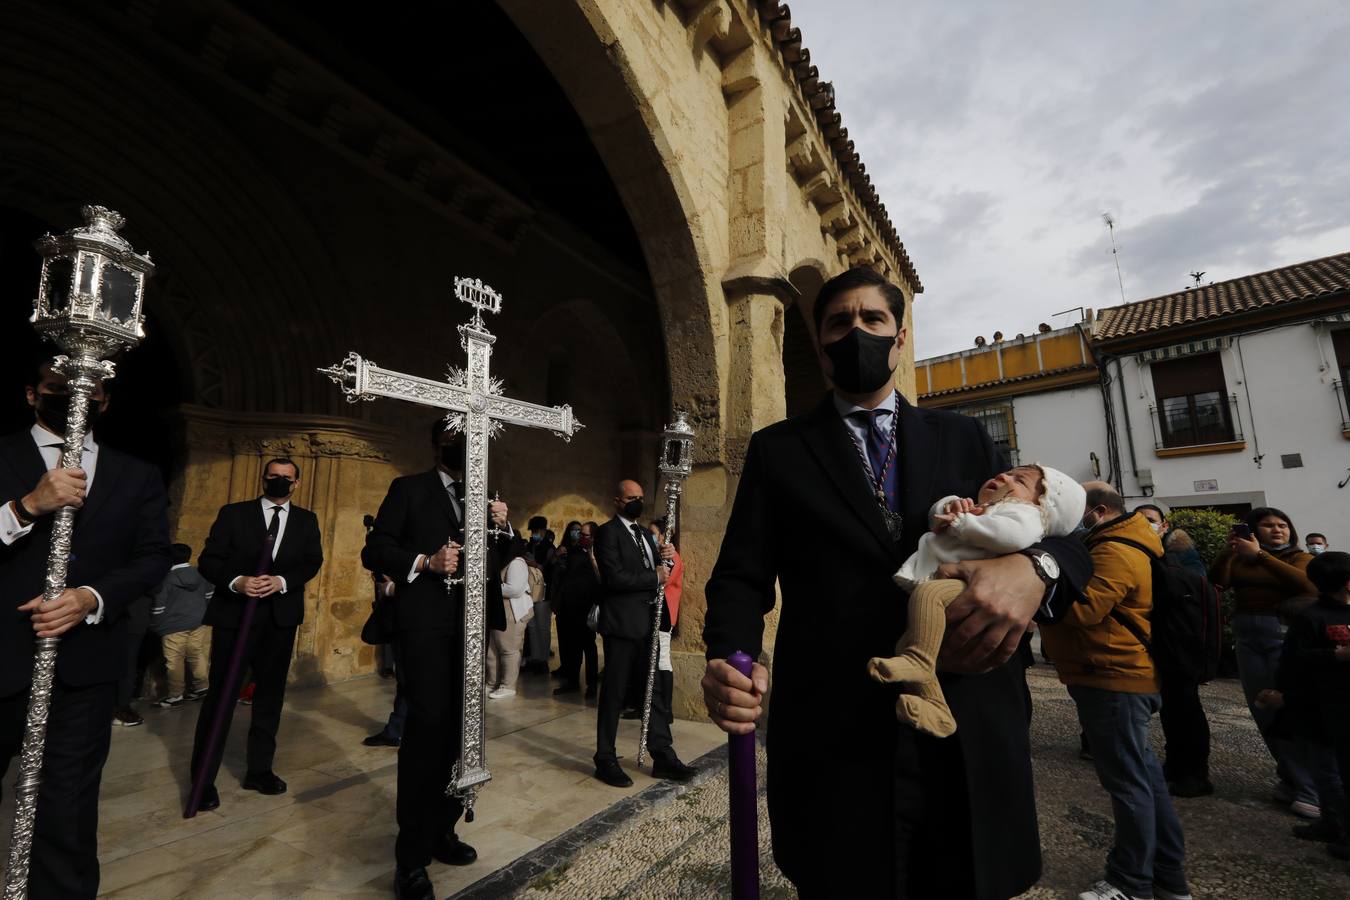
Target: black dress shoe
(611, 774)
(567, 687)
(454, 852)
(670, 768)
(210, 799)
(264, 783)
(1190, 787)
(413, 884)
(381, 738)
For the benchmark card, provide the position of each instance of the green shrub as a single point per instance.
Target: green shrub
(1209, 530)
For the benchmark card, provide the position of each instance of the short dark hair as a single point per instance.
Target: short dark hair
(1330, 572)
(282, 461)
(857, 277)
(1255, 516)
(1312, 534)
(1105, 496)
(180, 553)
(437, 426)
(537, 523)
(1153, 506)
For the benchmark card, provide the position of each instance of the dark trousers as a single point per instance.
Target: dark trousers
(575, 642)
(622, 656)
(398, 716)
(268, 654)
(127, 688)
(432, 679)
(1185, 729)
(64, 863)
(1336, 721)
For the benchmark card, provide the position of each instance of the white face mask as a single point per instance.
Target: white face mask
(1156, 526)
(1317, 549)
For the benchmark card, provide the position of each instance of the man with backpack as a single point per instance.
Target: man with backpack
(1100, 648)
(1187, 638)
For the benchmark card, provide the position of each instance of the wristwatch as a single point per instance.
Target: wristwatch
(1047, 569)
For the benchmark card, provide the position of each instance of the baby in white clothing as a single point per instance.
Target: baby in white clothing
(1014, 511)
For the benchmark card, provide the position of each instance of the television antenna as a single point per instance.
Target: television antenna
(1115, 255)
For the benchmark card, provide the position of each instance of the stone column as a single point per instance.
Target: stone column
(754, 398)
(344, 472)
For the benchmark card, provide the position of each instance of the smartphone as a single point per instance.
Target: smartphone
(1243, 531)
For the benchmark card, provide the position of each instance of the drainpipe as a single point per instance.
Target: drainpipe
(1125, 408)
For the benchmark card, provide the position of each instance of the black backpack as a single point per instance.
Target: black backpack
(1187, 638)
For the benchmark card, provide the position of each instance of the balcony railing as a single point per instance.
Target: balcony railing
(1196, 420)
(1343, 401)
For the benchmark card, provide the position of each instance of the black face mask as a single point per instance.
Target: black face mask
(450, 459)
(632, 510)
(54, 411)
(861, 361)
(277, 486)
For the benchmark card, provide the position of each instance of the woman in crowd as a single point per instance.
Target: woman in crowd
(503, 656)
(1264, 567)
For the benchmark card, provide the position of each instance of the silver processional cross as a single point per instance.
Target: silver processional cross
(476, 407)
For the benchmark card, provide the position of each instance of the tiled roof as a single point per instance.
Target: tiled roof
(820, 97)
(1302, 281)
(1016, 379)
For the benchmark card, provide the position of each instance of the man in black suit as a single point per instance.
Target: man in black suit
(416, 541)
(230, 560)
(631, 568)
(851, 792)
(120, 550)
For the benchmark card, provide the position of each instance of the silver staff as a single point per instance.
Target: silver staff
(89, 305)
(677, 462)
(477, 408)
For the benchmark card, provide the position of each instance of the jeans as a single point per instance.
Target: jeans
(1149, 847)
(1259, 641)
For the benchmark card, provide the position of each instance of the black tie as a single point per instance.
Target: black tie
(270, 542)
(642, 548)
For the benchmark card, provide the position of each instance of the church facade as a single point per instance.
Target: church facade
(657, 189)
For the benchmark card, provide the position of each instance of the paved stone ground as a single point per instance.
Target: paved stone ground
(1239, 844)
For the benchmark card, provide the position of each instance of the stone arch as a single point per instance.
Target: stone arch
(99, 134)
(804, 382)
(620, 109)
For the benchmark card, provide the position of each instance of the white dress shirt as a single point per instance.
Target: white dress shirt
(268, 504)
(858, 428)
(49, 446)
(446, 482)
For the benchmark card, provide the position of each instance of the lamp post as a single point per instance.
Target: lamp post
(89, 304)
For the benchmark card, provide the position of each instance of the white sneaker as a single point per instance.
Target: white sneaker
(1305, 810)
(501, 693)
(1160, 893)
(1105, 890)
(171, 702)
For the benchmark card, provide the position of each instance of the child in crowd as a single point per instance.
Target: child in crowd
(1014, 510)
(176, 616)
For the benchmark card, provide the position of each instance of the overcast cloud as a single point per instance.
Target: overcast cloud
(1216, 133)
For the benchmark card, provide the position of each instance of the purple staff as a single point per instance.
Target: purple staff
(744, 804)
(225, 703)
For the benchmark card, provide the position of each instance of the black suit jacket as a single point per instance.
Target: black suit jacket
(834, 743)
(120, 548)
(626, 585)
(415, 518)
(232, 550)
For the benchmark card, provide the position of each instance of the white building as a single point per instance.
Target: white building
(1227, 396)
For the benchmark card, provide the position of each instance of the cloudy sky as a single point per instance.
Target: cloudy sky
(1217, 134)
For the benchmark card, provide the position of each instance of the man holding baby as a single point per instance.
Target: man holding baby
(853, 792)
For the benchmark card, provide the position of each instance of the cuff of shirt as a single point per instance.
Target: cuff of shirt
(283, 583)
(417, 564)
(231, 584)
(97, 615)
(10, 527)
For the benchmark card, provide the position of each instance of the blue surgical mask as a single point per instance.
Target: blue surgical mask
(1317, 549)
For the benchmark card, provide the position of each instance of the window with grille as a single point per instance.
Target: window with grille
(998, 421)
(1193, 403)
(1340, 342)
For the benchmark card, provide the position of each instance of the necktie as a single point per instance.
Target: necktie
(456, 491)
(878, 441)
(269, 543)
(641, 545)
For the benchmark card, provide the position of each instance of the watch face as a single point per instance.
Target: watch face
(1049, 566)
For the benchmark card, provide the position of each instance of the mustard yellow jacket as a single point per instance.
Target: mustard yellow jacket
(1088, 646)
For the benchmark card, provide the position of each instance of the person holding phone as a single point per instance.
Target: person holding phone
(1264, 567)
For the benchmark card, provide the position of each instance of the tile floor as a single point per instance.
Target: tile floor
(332, 834)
